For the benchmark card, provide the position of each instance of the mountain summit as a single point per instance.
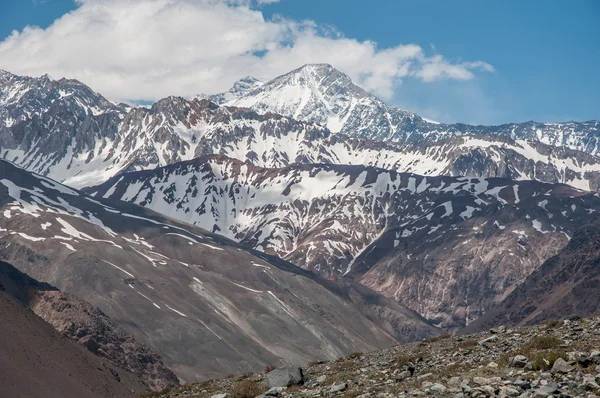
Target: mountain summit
(319, 93)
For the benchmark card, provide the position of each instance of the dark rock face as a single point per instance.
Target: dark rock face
(88, 326)
(36, 361)
(448, 248)
(566, 284)
(91, 328)
(187, 293)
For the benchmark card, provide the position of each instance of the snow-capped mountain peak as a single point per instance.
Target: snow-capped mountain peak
(240, 88)
(319, 93)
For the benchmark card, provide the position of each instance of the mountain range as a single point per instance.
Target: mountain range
(285, 221)
(66, 131)
(469, 240)
(188, 293)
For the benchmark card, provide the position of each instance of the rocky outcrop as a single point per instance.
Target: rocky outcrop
(91, 328)
(36, 361)
(557, 359)
(566, 284)
(88, 326)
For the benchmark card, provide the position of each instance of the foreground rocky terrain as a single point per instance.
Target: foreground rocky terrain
(555, 359)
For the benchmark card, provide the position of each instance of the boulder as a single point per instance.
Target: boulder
(437, 388)
(561, 366)
(338, 388)
(518, 361)
(285, 376)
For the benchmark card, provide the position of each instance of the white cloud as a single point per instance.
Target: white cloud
(148, 49)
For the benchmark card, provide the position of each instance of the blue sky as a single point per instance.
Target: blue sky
(546, 54)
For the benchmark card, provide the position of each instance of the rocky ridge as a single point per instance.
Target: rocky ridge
(320, 94)
(555, 359)
(64, 130)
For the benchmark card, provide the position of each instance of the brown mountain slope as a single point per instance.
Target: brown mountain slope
(88, 326)
(36, 361)
(566, 284)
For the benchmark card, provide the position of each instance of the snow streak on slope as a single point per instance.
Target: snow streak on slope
(322, 216)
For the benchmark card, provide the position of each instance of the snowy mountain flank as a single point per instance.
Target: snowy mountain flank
(393, 212)
(185, 292)
(400, 234)
(321, 94)
(64, 130)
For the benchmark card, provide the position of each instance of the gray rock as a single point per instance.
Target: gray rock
(590, 385)
(518, 361)
(546, 390)
(522, 384)
(499, 329)
(220, 396)
(454, 382)
(561, 366)
(437, 388)
(402, 376)
(338, 388)
(285, 376)
(481, 381)
(490, 339)
(274, 391)
(321, 379)
(465, 388)
(509, 392)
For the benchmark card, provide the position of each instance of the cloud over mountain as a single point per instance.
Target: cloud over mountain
(148, 49)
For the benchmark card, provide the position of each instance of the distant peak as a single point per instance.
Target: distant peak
(246, 84)
(249, 79)
(5, 75)
(46, 78)
(320, 71)
(317, 66)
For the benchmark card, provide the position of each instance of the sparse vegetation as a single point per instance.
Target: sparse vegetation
(405, 360)
(468, 344)
(247, 389)
(355, 355)
(544, 343)
(438, 338)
